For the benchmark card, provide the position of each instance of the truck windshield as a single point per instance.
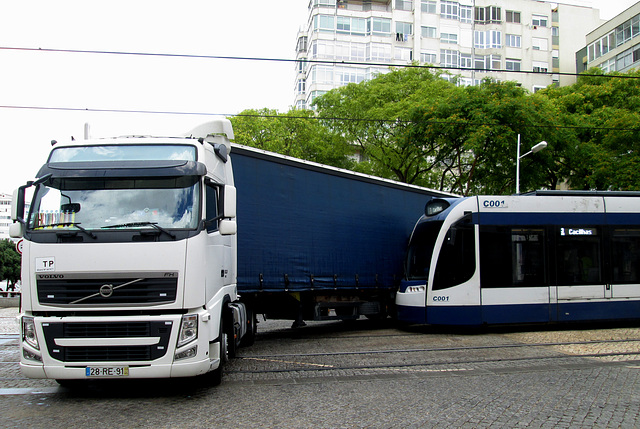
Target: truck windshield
(116, 203)
(420, 250)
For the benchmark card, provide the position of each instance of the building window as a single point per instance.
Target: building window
(512, 65)
(428, 6)
(405, 28)
(428, 57)
(466, 61)
(379, 52)
(513, 40)
(349, 25)
(539, 20)
(449, 9)
(324, 23)
(610, 66)
(429, 32)
(487, 39)
(448, 38)
(327, 3)
(624, 60)
(466, 14)
(301, 65)
(300, 86)
(404, 4)
(487, 62)
(379, 26)
(539, 44)
(540, 67)
(512, 16)
(449, 58)
(488, 15)
(403, 54)
(302, 44)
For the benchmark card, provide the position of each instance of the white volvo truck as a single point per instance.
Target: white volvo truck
(129, 261)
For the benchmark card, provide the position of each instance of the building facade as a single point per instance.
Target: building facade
(615, 45)
(5, 215)
(348, 41)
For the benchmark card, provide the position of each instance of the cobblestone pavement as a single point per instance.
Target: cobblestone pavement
(363, 374)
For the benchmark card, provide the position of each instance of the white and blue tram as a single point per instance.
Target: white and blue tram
(548, 256)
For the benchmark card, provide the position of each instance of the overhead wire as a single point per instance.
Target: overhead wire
(309, 61)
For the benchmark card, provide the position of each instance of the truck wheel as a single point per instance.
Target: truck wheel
(252, 328)
(214, 377)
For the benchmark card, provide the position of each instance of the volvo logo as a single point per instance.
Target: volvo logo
(106, 291)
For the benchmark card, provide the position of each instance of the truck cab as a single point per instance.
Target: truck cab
(129, 260)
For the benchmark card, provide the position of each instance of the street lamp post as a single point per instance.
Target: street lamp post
(536, 148)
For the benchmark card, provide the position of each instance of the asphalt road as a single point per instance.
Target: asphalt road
(363, 374)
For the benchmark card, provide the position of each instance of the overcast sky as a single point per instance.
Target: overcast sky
(33, 80)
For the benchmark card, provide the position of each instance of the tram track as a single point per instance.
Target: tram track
(297, 363)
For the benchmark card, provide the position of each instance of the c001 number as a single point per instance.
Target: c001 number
(440, 298)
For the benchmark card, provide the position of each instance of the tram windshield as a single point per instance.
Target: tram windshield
(420, 250)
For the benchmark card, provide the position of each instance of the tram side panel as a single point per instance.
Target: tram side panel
(534, 259)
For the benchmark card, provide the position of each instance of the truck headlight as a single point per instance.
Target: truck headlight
(188, 329)
(29, 335)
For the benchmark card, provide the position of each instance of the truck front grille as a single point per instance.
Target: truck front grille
(105, 291)
(103, 330)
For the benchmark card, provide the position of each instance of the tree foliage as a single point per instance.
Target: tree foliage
(374, 115)
(413, 126)
(603, 150)
(295, 133)
(9, 262)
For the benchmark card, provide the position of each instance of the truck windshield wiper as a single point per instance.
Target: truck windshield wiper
(77, 225)
(136, 224)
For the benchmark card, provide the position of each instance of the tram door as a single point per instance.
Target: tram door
(580, 273)
(625, 262)
(513, 274)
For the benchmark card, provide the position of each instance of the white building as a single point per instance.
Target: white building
(5, 215)
(473, 39)
(615, 45)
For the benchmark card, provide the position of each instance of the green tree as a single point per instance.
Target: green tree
(374, 116)
(475, 130)
(296, 133)
(9, 262)
(603, 147)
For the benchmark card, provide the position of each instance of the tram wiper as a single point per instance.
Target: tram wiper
(61, 233)
(137, 224)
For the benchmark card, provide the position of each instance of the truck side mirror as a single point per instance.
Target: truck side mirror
(16, 230)
(17, 205)
(229, 209)
(228, 227)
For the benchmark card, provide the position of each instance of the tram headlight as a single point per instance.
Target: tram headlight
(416, 289)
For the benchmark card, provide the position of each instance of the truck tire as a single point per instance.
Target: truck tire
(214, 378)
(252, 328)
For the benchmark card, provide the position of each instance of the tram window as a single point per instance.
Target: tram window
(625, 248)
(421, 250)
(457, 261)
(512, 257)
(578, 257)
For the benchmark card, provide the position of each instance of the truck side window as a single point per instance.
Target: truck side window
(211, 208)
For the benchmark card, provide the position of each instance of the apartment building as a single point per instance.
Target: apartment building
(349, 41)
(615, 45)
(5, 215)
